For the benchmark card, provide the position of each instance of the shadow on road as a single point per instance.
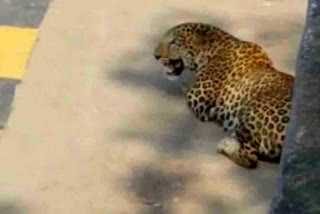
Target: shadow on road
(10, 208)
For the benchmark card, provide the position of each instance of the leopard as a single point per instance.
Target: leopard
(235, 85)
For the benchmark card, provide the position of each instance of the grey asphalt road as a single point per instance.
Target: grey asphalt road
(19, 13)
(22, 13)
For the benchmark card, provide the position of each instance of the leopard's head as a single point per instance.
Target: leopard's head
(177, 49)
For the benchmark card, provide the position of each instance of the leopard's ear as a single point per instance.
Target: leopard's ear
(202, 37)
(199, 41)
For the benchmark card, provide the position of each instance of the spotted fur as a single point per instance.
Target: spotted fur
(236, 86)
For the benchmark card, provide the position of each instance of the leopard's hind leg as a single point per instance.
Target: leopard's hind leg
(242, 147)
(239, 152)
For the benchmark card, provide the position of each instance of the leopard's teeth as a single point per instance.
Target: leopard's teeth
(167, 69)
(172, 77)
(168, 73)
(169, 76)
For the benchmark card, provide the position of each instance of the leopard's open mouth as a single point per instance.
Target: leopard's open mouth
(173, 67)
(176, 66)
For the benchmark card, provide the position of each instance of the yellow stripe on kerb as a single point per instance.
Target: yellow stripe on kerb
(15, 48)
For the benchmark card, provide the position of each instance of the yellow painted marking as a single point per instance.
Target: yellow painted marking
(15, 48)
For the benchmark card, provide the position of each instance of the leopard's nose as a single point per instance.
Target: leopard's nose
(157, 57)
